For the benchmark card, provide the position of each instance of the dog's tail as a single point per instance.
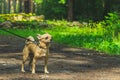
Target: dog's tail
(29, 40)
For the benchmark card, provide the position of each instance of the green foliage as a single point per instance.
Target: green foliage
(100, 36)
(112, 18)
(2, 19)
(62, 1)
(82, 9)
(112, 24)
(110, 48)
(52, 9)
(22, 20)
(20, 17)
(87, 37)
(38, 1)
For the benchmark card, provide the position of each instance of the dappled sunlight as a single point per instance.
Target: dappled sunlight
(71, 49)
(63, 61)
(85, 41)
(4, 45)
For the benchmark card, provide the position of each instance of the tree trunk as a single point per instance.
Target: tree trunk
(70, 10)
(0, 7)
(5, 6)
(12, 7)
(14, 3)
(26, 6)
(107, 7)
(9, 5)
(20, 5)
(17, 6)
(30, 6)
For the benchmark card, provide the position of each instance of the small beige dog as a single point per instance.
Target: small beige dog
(36, 51)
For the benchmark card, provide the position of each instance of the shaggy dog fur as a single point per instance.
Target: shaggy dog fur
(36, 51)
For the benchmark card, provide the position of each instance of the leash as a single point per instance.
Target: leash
(12, 33)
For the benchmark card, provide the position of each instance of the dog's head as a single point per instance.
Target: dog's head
(45, 38)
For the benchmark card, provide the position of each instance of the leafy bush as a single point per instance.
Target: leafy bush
(52, 9)
(112, 18)
(98, 36)
(112, 23)
(22, 20)
(21, 17)
(2, 19)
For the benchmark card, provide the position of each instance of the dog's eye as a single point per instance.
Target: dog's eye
(46, 37)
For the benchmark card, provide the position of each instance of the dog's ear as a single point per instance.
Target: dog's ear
(39, 36)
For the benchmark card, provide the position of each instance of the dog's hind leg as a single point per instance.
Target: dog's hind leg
(31, 60)
(33, 65)
(25, 57)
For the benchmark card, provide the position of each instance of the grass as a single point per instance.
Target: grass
(98, 36)
(91, 38)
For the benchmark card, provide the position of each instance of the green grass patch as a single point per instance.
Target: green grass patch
(91, 38)
(102, 36)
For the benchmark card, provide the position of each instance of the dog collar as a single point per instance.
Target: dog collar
(40, 46)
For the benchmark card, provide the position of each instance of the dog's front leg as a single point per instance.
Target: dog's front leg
(45, 67)
(30, 63)
(46, 62)
(22, 68)
(33, 65)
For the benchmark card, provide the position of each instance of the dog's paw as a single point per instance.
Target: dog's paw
(46, 72)
(23, 71)
(33, 72)
(43, 55)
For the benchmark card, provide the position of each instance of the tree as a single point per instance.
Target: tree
(20, 6)
(0, 6)
(14, 5)
(70, 10)
(5, 6)
(9, 5)
(77, 9)
(28, 6)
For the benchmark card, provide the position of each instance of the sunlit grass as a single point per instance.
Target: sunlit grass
(91, 38)
(91, 35)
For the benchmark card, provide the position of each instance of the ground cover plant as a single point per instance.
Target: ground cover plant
(102, 36)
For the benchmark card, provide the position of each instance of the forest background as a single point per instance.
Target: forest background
(91, 24)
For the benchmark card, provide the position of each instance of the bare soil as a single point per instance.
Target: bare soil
(65, 63)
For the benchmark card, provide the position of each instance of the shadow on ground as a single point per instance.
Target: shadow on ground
(63, 59)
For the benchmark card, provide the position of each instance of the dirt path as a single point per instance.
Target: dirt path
(64, 63)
